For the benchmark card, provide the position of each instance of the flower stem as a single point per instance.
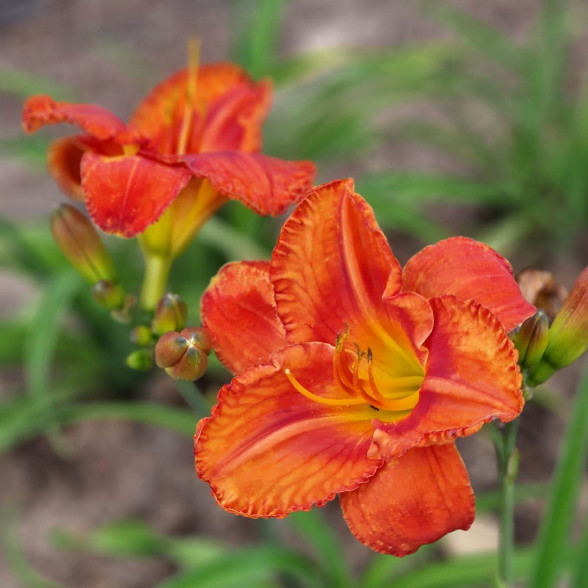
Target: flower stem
(508, 465)
(155, 280)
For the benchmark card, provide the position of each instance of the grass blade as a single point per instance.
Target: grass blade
(41, 341)
(312, 526)
(554, 534)
(248, 568)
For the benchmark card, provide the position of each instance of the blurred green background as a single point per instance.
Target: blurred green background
(454, 117)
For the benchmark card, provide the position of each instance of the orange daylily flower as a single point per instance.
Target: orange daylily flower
(191, 144)
(354, 376)
(203, 126)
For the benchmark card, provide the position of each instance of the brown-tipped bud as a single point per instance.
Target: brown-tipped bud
(541, 290)
(108, 295)
(80, 243)
(170, 315)
(140, 360)
(141, 336)
(184, 355)
(532, 339)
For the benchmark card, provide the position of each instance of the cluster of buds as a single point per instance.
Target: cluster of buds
(544, 348)
(81, 244)
(183, 354)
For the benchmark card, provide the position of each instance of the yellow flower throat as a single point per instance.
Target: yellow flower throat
(381, 390)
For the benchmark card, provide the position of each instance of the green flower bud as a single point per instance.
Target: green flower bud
(532, 339)
(170, 315)
(568, 335)
(184, 355)
(140, 360)
(141, 336)
(79, 241)
(108, 295)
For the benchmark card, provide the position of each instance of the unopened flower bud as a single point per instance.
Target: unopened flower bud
(140, 360)
(540, 289)
(568, 335)
(184, 355)
(170, 315)
(532, 338)
(109, 295)
(79, 241)
(141, 336)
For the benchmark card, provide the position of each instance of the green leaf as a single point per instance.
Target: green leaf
(579, 572)
(29, 250)
(248, 568)
(471, 570)
(256, 27)
(316, 532)
(415, 188)
(40, 344)
(554, 539)
(24, 417)
(383, 568)
(477, 34)
(175, 419)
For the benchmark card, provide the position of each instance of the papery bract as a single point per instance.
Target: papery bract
(354, 376)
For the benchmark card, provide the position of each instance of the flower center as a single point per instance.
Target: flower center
(366, 382)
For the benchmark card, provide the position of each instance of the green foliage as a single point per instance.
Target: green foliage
(554, 540)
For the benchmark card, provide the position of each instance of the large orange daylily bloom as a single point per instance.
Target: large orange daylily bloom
(354, 376)
(190, 145)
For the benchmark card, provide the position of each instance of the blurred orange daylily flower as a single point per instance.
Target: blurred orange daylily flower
(190, 145)
(354, 376)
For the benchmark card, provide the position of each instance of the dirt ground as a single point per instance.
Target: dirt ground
(124, 470)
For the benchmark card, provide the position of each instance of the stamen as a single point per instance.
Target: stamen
(377, 395)
(358, 387)
(341, 373)
(327, 401)
(191, 91)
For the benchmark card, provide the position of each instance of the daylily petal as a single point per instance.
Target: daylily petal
(97, 121)
(411, 501)
(264, 184)
(240, 301)
(63, 159)
(469, 270)
(472, 378)
(410, 322)
(225, 99)
(267, 450)
(331, 266)
(126, 194)
(234, 121)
